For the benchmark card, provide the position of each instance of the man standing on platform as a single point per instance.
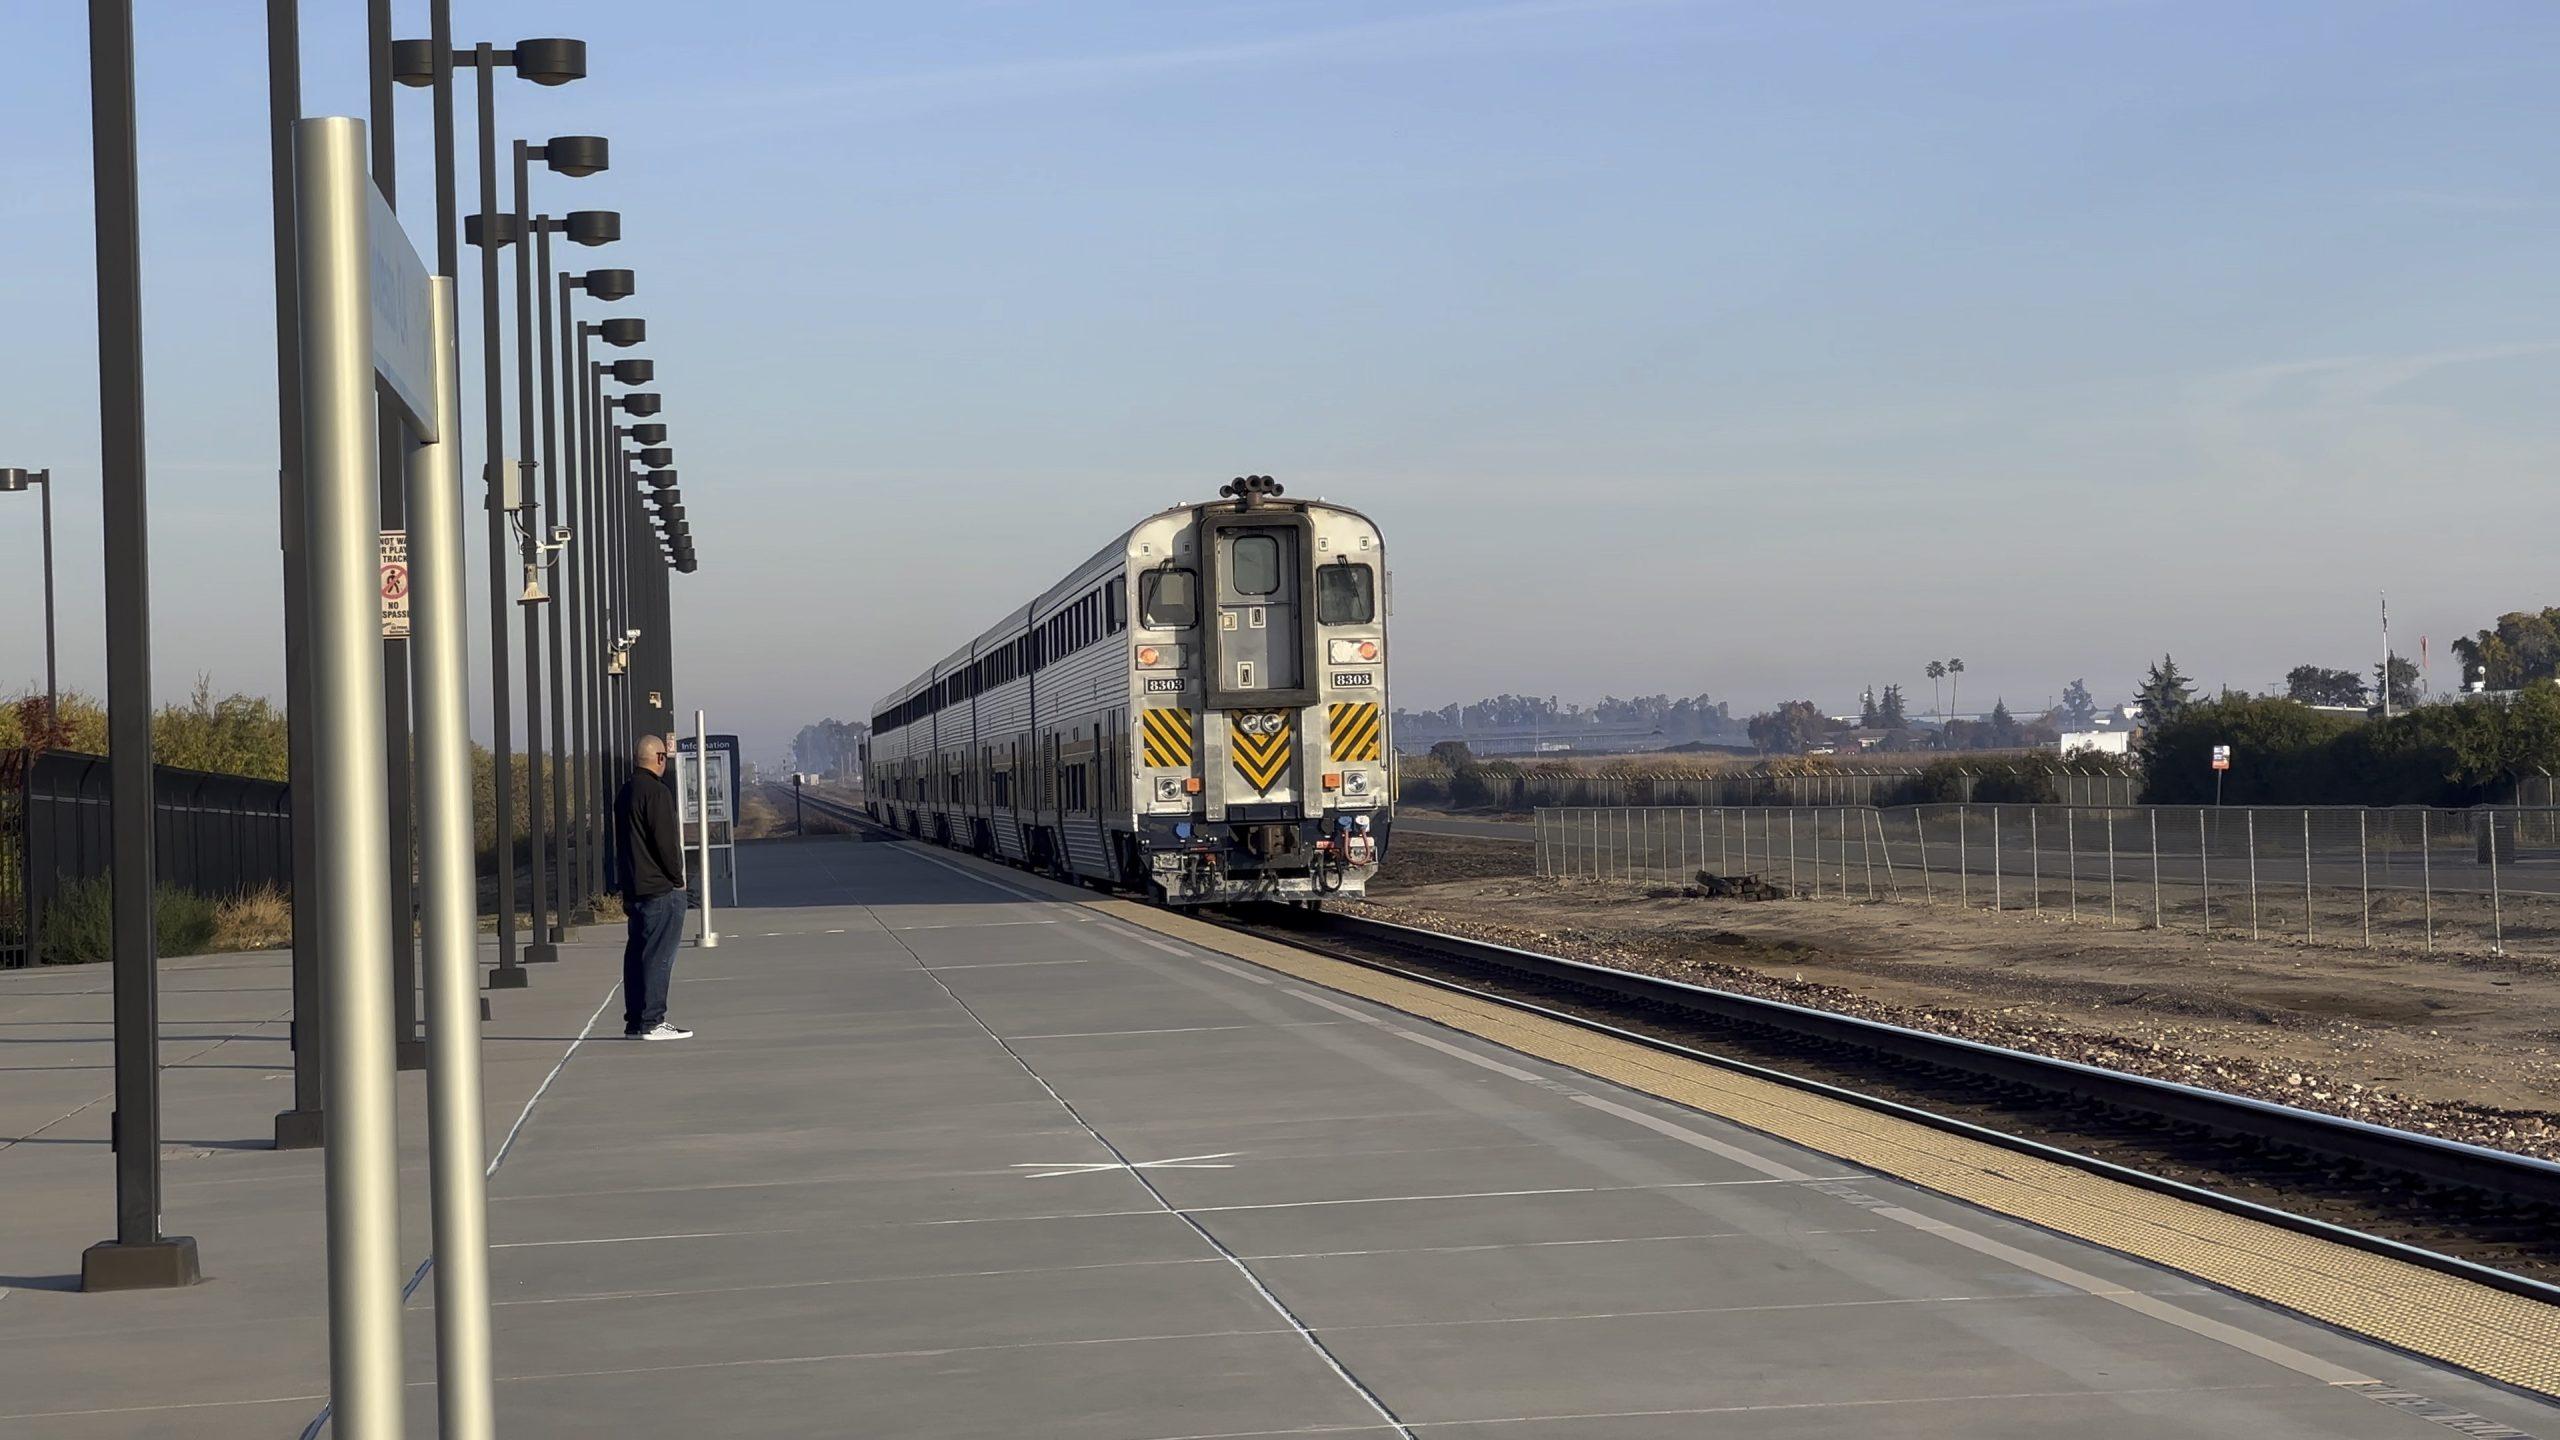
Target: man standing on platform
(653, 892)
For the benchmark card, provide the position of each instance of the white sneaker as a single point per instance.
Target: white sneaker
(666, 1031)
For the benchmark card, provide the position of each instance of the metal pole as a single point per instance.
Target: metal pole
(2306, 876)
(2071, 848)
(564, 838)
(2497, 902)
(2251, 838)
(709, 938)
(298, 1128)
(510, 973)
(1998, 901)
(538, 948)
(140, 1256)
(450, 905)
(2154, 813)
(52, 675)
(585, 674)
(392, 656)
(2426, 866)
(2035, 860)
(1920, 827)
(340, 525)
(2204, 870)
(2364, 882)
(1964, 863)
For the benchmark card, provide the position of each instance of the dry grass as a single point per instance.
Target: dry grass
(259, 920)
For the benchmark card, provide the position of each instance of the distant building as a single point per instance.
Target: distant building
(2095, 742)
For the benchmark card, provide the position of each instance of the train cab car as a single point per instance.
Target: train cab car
(1199, 711)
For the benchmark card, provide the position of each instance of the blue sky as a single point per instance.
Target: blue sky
(1760, 349)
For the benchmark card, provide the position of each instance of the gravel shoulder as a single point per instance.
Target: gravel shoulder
(2466, 1047)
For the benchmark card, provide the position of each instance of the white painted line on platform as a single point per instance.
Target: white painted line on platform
(1175, 1030)
(1481, 1195)
(1003, 964)
(1051, 1170)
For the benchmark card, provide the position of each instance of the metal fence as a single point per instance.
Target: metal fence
(218, 835)
(1428, 783)
(2480, 880)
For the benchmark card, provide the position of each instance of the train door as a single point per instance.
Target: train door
(1259, 645)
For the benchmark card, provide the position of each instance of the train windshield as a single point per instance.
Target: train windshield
(1169, 599)
(1346, 594)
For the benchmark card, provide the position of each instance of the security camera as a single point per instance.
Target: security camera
(559, 534)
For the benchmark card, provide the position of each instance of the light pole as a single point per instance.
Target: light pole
(575, 155)
(544, 62)
(16, 480)
(613, 517)
(590, 228)
(585, 637)
(139, 1257)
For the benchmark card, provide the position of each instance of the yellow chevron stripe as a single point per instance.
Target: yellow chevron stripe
(1168, 737)
(1353, 729)
(1260, 759)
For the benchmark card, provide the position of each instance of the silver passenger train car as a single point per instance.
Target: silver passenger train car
(1200, 710)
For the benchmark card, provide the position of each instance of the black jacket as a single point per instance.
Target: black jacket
(650, 841)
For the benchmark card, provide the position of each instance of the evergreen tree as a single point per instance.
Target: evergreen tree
(1889, 710)
(2078, 706)
(2164, 693)
(1868, 717)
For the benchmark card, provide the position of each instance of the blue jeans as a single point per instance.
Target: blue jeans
(649, 957)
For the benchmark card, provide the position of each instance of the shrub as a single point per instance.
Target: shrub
(79, 926)
(259, 920)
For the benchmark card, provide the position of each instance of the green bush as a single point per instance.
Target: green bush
(79, 926)
(2283, 753)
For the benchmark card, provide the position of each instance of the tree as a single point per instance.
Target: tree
(1868, 716)
(1937, 672)
(1454, 754)
(2524, 647)
(1889, 714)
(2079, 707)
(1955, 682)
(2316, 685)
(1790, 729)
(2005, 732)
(2404, 682)
(2164, 693)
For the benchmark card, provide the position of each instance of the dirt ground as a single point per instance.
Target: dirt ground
(2467, 1047)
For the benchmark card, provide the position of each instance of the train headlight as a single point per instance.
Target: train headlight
(1355, 782)
(1159, 657)
(1350, 652)
(1168, 789)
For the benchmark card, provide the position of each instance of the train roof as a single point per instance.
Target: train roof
(1115, 550)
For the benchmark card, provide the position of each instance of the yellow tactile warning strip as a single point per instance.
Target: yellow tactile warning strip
(2502, 1336)
(1168, 737)
(1352, 728)
(1259, 757)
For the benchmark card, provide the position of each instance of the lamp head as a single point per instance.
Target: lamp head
(623, 332)
(634, 372)
(657, 457)
(662, 479)
(577, 154)
(593, 227)
(650, 434)
(413, 62)
(551, 62)
(607, 284)
(644, 402)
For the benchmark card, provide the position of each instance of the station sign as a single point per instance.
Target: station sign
(395, 584)
(2221, 757)
(723, 784)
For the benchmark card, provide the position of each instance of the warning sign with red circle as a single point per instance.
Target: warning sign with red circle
(395, 585)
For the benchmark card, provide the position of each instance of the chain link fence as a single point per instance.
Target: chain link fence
(2483, 880)
(1504, 785)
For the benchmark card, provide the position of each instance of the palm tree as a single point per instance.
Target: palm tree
(1955, 672)
(1937, 672)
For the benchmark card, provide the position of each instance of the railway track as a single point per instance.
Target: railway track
(2483, 1214)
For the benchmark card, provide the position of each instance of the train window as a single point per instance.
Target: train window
(1169, 599)
(1116, 606)
(1346, 594)
(1255, 561)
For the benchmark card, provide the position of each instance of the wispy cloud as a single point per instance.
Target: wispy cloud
(2336, 380)
(1518, 23)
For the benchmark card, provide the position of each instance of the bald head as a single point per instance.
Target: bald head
(652, 754)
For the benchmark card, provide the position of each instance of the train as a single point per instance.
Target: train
(1197, 713)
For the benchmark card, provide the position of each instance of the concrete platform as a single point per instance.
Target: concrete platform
(954, 1155)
